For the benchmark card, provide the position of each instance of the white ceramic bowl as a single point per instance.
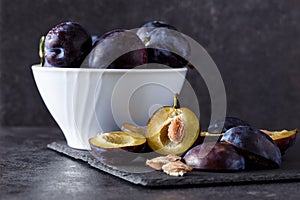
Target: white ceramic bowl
(85, 102)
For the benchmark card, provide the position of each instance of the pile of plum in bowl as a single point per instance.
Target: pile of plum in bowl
(93, 84)
(99, 90)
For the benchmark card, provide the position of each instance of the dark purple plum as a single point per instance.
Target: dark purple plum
(164, 44)
(214, 157)
(118, 49)
(258, 148)
(66, 45)
(221, 126)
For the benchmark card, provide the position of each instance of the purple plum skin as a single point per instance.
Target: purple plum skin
(67, 45)
(164, 44)
(258, 148)
(118, 49)
(214, 157)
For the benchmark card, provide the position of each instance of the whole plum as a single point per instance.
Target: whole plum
(258, 148)
(164, 44)
(118, 49)
(214, 157)
(66, 45)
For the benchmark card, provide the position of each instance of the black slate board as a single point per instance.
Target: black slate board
(289, 171)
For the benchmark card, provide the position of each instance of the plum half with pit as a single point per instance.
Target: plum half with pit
(214, 157)
(172, 130)
(165, 45)
(118, 49)
(117, 147)
(66, 45)
(258, 148)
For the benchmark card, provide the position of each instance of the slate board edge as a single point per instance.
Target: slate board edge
(137, 179)
(96, 164)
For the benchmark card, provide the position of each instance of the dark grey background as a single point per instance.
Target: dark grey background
(255, 44)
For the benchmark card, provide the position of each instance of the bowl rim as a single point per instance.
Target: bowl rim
(38, 67)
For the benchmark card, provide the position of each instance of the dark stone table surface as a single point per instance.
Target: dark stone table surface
(29, 170)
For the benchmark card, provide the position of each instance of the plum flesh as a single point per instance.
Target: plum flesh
(117, 147)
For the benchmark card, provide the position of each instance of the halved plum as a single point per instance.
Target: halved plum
(258, 148)
(172, 130)
(214, 157)
(284, 139)
(117, 147)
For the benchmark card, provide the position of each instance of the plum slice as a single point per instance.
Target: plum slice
(117, 147)
(284, 139)
(214, 157)
(258, 148)
(172, 130)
